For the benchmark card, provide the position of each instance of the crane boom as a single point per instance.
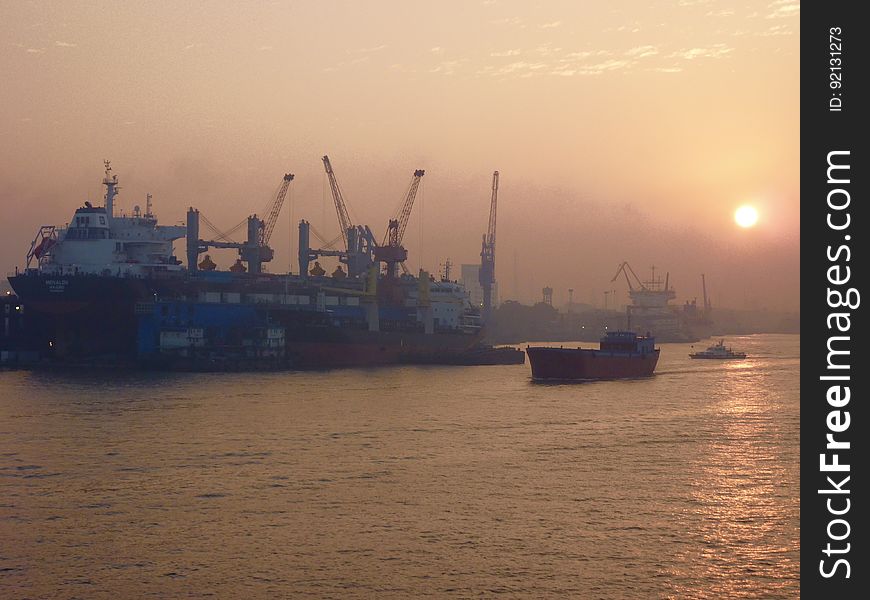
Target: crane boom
(275, 210)
(490, 233)
(486, 275)
(625, 269)
(396, 227)
(340, 206)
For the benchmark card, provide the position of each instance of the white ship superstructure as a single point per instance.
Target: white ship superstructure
(650, 309)
(98, 242)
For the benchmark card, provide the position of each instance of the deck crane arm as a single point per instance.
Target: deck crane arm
(340, 206)
(625, 269)
(396, 227)
(274, 210)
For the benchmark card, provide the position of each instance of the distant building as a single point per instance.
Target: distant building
(469, 274)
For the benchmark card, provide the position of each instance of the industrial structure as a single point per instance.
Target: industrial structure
(469, 276)
(649, 309)
(121, 272)
(487, 253)
(254, 251)
(390, 251)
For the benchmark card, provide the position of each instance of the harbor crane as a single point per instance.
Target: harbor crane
(648, 294)
(390, 251)
(255, 250)
(359, 242)
(486, 275)
(625, 269)
(344, 221)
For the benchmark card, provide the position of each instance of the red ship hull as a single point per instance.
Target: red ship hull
(568, 364)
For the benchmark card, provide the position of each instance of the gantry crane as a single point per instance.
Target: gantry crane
(390, 251)
(486, 276)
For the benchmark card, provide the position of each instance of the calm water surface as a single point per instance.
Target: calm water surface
(405, 482)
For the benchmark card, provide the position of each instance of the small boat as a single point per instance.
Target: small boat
(621, 355)
(720, 351)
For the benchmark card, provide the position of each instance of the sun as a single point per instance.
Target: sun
(746, 216)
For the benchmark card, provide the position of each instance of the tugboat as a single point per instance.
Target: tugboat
(718, 351)
(621, 355)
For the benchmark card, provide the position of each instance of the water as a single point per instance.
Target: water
(405, 482)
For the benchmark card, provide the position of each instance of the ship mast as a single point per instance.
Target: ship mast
(111, 183)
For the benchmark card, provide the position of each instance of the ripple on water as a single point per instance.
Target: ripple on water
(406, 482)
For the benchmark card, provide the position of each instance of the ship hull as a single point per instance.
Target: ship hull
(575, 364)
(81, 316)
(117, 319)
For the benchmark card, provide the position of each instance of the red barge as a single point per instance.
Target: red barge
(621, 355)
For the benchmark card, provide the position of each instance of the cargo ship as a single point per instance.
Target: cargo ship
(108, 289)
(621, 355)
(650, 307)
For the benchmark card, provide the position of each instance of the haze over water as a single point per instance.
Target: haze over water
(625, 130)
(405, 482)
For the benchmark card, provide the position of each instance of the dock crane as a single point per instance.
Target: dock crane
(625, 269)
(646, 295)
(390, 251)
(275, 210)
(359, 242)
(344, 221)
(486, 276)
(255, 250)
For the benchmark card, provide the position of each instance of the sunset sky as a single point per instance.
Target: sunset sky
(622, 130)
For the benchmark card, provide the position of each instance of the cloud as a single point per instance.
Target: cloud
(367, 50)
(551, 25)
(571, 56)
(633, 28)
(781, 29)
(642, 51)
(667, 69)
(508, 21)
(35, 50)
(65, 44)
(784, 8)
(715, 51)
(264, 48)
(720, 13)
(436, 50)
(519, 68)
(192, 46)
(546, 50)
(514, 52)
(609, 65)
(447, 67)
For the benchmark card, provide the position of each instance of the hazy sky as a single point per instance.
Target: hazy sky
(622, 130)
